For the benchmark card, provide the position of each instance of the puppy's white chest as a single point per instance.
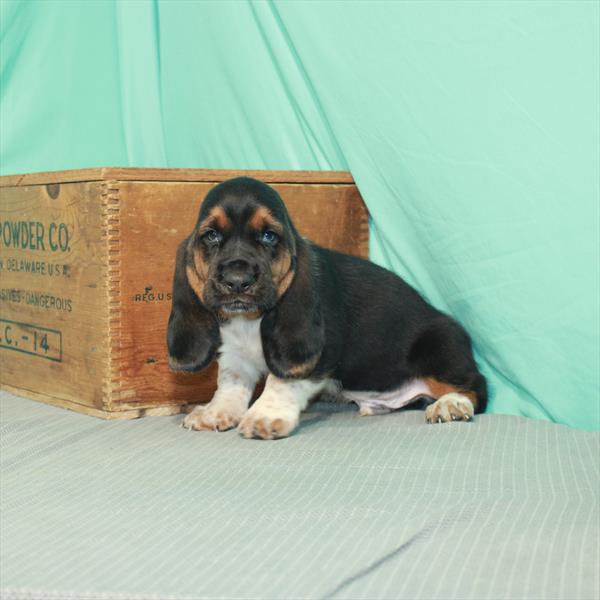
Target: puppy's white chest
(240, 338)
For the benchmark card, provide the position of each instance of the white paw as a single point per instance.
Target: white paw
(213, 416)
(266, 420)
(450, 407)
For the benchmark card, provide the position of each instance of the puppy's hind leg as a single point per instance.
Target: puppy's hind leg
(451, 406)
(443, 357)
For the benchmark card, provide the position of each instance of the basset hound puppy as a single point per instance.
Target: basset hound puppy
(250, 291)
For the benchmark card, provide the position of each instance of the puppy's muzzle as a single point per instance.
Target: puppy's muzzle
(237, 277)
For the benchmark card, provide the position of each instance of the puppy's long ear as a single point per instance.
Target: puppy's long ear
(193, 332)
(293, 332)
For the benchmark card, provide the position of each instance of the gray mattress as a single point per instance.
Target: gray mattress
(348, 507)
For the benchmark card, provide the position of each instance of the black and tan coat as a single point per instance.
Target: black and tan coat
(250, 291)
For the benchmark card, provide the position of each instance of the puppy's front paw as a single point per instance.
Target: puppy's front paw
(212, 417)
(450, 407)
(268, 422)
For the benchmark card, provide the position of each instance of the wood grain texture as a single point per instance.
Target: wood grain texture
(154, 219)
(138, 174)
(121, 413)
(52, 269)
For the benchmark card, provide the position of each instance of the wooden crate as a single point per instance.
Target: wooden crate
(86, 265)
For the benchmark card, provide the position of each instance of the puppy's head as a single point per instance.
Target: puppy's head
(245, 258)
(242, 251)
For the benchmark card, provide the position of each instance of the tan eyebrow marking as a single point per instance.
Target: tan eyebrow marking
(263, 219)
(216, 218)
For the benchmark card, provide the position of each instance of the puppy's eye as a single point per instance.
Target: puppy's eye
(269, 237)
(212, 236)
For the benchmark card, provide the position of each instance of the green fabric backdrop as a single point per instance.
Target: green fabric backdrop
(471, 128)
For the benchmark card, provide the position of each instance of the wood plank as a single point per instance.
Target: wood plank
(54, 302)
(215, 175)
(48, 177)
(140, 174)
(133, 413)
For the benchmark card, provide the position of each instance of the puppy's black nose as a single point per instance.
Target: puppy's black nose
(238, 276)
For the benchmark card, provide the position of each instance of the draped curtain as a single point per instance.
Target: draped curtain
(471, 128)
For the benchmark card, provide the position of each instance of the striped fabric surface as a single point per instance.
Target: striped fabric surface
(348, 507)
